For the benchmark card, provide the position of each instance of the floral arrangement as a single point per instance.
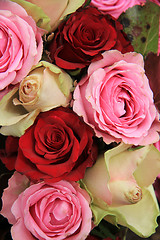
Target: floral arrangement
(79, 117)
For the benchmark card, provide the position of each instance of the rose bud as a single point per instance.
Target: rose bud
(122, 192)
(125, 192)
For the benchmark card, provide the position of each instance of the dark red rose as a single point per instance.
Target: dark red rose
(59, 145)
(84, 37)
(9, 154)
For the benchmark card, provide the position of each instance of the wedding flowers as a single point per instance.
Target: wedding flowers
(21, 44)
(116, 100)
(79, 120)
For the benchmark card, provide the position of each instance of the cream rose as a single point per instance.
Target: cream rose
(122, 192)
(45, 87)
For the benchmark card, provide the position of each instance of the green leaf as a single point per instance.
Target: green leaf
(87, 3)
(135, 148)
(104, 230)
(141, 24)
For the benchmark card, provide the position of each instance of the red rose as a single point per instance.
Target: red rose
(59, 145)
(84, 36)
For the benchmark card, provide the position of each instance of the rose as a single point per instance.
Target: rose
(21, 44)
(59, 145)
(78, 42)
(57, 10)
(122, 197)
(64, 211)
(44, 88)
(116, 100)
(116, 7)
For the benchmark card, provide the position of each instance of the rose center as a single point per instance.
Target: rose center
(61, 212)
(30, 88)
(54, 139)
(120, 105)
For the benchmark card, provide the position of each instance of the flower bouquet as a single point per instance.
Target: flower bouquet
(79, 117)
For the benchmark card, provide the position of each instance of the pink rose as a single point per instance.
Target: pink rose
(115, 7)
(20, 44)
(51, 211)
(116, 100)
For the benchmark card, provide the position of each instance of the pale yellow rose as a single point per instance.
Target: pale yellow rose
(120, 185)
(45, 87)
